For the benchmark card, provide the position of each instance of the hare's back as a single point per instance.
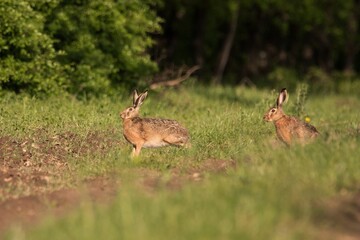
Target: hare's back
(306, 130)
(162, 132)
(164, 126)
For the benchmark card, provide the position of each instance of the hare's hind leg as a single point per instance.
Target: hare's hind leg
(176, 141)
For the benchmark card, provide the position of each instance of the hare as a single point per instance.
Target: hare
(150, 132)
(289, 129)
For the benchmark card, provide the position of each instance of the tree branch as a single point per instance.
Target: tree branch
(176, 81)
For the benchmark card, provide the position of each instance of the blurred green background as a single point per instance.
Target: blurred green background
(96, 47)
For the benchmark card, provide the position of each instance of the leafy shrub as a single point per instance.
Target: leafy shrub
(105, 41)
(77, 45)
(27, 57)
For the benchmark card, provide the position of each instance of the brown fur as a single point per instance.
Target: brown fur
(289, 129)
(150, 132)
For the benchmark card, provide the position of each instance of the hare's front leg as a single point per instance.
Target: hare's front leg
(136, 150)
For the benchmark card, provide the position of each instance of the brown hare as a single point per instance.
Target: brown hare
(150, 132)
(289, 129)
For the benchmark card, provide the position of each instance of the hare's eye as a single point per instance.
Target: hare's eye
(131, 109)
(273, 110)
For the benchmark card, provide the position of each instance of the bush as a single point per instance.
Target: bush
(77, 45)
(105, 42)
(27, 57)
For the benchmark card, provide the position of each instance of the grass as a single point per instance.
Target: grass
(274, 193)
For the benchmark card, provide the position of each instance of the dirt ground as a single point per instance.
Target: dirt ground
(31, 188)
(30, 184)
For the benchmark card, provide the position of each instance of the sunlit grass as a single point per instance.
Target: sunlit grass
(274, 193)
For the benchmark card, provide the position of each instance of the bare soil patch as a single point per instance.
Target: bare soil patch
(31, 165)
(30, 183)
(342, 217)
(29, 210)
(176, 178)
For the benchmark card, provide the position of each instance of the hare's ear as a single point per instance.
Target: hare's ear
(135, 96)
(139, 101)
(283, 97)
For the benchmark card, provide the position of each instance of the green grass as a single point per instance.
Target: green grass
(274, 193)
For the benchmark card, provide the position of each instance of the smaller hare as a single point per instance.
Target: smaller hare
(289, 129)
(150, 132)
